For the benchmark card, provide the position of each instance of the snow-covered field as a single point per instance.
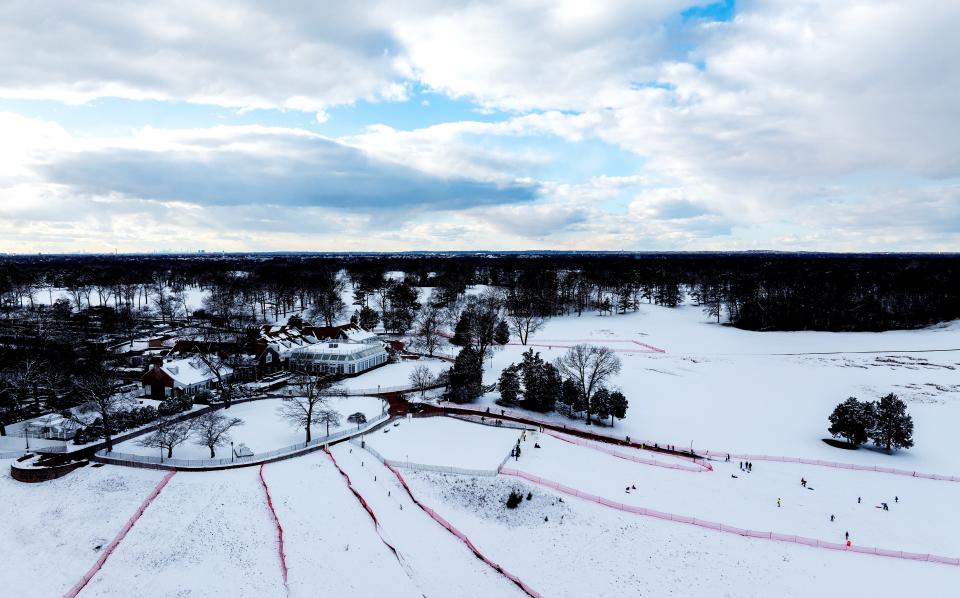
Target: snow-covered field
(565, 547)
(51, 533)
(717, 387)
(394, 374)
(765, 393)
(205, 535)
(444, 442)
(263, 429)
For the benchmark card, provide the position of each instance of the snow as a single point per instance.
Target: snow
(394, 374)
(329, 538)
(444, 442)
(715, 386)
(923, 521)
(188, 372)
(205, 535)
(263, 429)
(585, 549)
(437, 561)
(733, 390)
(49, 532)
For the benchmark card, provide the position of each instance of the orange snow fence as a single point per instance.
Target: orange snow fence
(363, 502)
(699, 464)
(729, 529)
(560, 427)
(463, 538)
(836, 465)
(276, 521)
(72, 592)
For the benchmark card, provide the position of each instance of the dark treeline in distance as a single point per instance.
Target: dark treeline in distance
(753, 291)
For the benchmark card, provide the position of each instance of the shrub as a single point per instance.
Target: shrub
(514, 499)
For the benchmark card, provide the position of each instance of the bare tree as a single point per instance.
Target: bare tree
(218, 354)
(590, 367)
(168, 435)
(98, 385)
(523, 316)
(421, 378)
(525, 323)
(21, 384)
(161, 298)
(330, 417)
(309, 408)
(328, 298)
(212, 430)
(428, 328)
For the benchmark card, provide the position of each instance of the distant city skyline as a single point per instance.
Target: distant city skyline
(666, 125)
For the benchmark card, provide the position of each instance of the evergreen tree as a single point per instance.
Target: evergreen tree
(893, 426)
(601, 404)
(501, 334)
(465, 380)
(403, 306)
(618, 406)
(571, 400)
(852, 420)
(368, 318)
(461, 332)
(509, 385)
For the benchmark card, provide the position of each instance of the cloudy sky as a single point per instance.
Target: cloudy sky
(523, 124)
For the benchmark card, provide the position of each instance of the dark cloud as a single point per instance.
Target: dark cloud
(268, 166)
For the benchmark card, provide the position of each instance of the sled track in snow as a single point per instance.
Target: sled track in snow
(366, 506)
(72, 592)
(463, 538)
(729, 529)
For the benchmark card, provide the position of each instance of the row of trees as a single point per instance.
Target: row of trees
(575, 384)
(212, 430)
(885, 422)
(755, 291)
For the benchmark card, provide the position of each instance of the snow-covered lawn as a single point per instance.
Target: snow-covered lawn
(727, 389)
(52, 532)
(394, 374)
(924, 520)
(263, 429)
(565, 547)
(438, 563)
(206, 534)
(444, 442)
(330, 540)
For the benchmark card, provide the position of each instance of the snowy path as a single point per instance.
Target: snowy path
(51, 533)
(330, 542)
(922, 521)
(207, 534)
(440, 563)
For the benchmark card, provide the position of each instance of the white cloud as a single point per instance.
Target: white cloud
(799, 124)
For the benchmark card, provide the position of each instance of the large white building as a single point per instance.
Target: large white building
(338, 358)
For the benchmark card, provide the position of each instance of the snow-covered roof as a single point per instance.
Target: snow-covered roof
(359, 335)
(187, 372)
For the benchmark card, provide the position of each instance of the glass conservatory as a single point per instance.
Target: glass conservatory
(337, 358)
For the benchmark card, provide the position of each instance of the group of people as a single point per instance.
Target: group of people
(746, 466)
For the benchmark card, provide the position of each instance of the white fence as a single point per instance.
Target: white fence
(129, 459)
(425, 467)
